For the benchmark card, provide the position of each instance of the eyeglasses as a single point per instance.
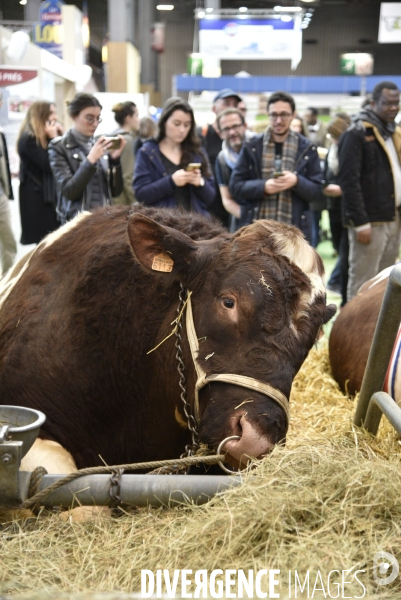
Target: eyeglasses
(233, 128)
(91, 119)
(282, 116)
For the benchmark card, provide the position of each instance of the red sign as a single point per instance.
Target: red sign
(13, 76)
(157, 36)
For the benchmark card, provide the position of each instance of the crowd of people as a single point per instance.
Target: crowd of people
(289, 172)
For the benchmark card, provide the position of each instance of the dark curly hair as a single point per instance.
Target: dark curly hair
(191, 144)
(283, 97)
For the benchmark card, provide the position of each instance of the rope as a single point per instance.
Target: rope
(35, 479)
(191, 460)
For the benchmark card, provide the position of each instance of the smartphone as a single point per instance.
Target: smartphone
(193, 166)
(277, 174)
(115, 142)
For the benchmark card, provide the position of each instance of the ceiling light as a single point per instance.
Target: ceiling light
(287, 9)
(165, 6)
(201, 14)
(23, 1)
(242, 9)
(286, 18)
(209, 10)
(308, 0)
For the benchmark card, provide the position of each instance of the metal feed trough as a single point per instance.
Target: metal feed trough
(19, 428)
(372, 401)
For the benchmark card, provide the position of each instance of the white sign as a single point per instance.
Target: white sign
(20, 87)
(255, 39)
(358, 63)
(390, 23)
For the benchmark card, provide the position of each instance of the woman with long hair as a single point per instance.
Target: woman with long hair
(87, 171)
(298, 126)
(37, 192)
(338, 281)
(172, 170)
(126, 115)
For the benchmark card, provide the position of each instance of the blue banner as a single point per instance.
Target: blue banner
(48, 33)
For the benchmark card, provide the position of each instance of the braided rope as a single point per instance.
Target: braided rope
(185, 462)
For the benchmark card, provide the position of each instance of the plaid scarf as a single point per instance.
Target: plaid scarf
(278, 206)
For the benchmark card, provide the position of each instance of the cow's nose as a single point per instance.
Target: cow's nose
(250, 444)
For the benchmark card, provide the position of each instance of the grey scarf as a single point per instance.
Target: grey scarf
(386, 130)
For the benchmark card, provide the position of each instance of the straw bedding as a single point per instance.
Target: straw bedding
(329, 500)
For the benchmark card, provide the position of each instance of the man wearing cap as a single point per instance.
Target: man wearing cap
(232, 127)
(278, 172)
(212, 143)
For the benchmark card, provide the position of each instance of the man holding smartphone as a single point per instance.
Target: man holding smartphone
(278, 172)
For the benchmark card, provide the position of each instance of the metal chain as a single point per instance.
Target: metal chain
(115, 483)
(190, 449)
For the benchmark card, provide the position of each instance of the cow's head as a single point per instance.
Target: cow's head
(259, 304)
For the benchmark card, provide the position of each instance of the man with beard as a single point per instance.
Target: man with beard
(370, 179)
(232, 127)
(278, 172)
(212, 144)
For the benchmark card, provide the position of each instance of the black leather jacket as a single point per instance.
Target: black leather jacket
(73, 174)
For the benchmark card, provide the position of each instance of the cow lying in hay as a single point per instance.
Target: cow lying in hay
(79, 316)
(352, 334)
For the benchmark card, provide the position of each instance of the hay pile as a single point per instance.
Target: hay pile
(329, 500)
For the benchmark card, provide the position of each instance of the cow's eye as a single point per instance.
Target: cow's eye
(228, 303)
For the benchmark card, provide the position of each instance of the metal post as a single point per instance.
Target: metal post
(12, 486)
(382, 403)
(382, 345)
(138, 490)
(121, 20)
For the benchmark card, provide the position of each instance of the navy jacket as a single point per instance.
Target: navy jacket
(247, 183)
(153, 187)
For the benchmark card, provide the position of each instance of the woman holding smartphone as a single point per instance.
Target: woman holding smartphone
(37, 192)
(87, 172)
(171, 170)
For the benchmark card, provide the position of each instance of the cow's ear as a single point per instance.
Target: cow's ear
(331, 310)
(161, 248)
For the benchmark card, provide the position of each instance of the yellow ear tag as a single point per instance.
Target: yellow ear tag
(162, 262)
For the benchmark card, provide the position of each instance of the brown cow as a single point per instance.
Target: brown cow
(79, 317)
(352, 333)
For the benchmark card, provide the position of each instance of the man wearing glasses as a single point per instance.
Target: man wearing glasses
(370, 179)
(232, 128)
(278, 172)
